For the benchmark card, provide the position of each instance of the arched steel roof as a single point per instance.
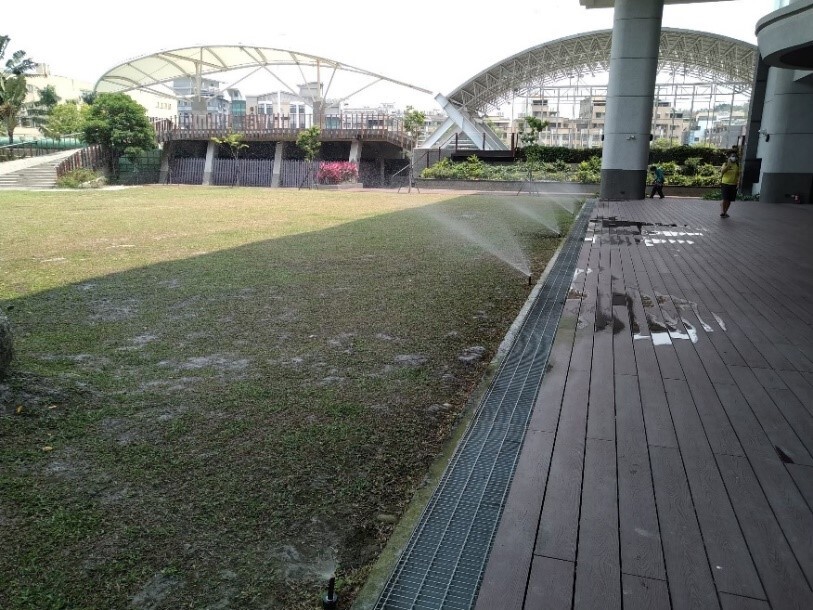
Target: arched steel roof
(155, 72)
(697, 54)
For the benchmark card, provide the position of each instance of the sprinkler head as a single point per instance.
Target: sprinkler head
(330, 601)
(530, 279)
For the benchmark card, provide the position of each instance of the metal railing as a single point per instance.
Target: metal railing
(38, 147)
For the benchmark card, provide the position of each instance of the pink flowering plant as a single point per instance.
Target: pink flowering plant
(336, 172)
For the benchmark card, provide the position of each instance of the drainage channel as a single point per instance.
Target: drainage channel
(444, 560)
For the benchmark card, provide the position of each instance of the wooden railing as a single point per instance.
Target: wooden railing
(343, 126)
(91, 157)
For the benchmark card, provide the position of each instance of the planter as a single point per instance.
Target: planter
(344, 186)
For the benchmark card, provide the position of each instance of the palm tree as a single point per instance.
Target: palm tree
(19, 64)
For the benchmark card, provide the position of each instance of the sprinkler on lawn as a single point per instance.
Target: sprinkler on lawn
(331, 600)
(530, 279)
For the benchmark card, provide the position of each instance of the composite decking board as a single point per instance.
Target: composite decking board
(716, 423)
(796, 356)
(762, 286)
(660, 430)
(796, 414)
(559, 520)
(751, 409)
(506, 574)
(583, 341)
(667, 359)
(781, 576)
(800, 387)
(690, 581)
(790, 509)
(754, 440)
(639, 532)
(712, 361)
(545, 414)
(623, 352)
(732, 567)
(758, 272)
(737, 602)
(597, 582)
(755, 325)
(770, 379)
(791, 439)
(640, 593)
(600, 411)
(739, 322)
(803, 477)
(550, 585)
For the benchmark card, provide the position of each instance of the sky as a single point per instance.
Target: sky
(433, 44)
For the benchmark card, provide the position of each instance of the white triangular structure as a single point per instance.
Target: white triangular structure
(480, 134)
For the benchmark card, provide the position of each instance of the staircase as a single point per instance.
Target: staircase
(31, 172)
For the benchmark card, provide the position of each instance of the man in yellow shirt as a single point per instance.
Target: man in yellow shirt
(729, 176)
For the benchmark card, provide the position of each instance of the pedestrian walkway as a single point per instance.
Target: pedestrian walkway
(32, 172)
(668, 460)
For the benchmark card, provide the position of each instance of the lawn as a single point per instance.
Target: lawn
(221, 397)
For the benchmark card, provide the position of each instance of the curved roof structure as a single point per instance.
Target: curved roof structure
(156, 72)
(699, 54)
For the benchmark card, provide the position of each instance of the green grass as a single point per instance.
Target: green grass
(218, 392)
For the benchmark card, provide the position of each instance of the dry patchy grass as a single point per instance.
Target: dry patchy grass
(222, 396)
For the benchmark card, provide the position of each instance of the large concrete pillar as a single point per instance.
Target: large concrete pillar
(208, 165)
(786, 145)
(750, 160)
(630, 96)
(166, 158)
(355, 151)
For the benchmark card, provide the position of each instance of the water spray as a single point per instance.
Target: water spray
(331, 601)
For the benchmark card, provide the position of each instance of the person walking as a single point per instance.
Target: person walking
(657, 184)
(729, 176)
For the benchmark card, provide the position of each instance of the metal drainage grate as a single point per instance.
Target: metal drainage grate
(444, 560)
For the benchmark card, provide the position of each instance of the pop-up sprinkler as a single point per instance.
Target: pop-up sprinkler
(331, 601)
(530, 279)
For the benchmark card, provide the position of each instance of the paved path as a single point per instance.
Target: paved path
(669, 456)
(9, 167)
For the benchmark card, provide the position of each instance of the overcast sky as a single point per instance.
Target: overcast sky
(436, 45)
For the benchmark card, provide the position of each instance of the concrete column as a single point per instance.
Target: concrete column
(208, 166)
(355, 151)
(277, 171)
(630, 95)
(786, 141)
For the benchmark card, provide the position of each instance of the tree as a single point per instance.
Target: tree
(19, 64)
(39, 111)
(12, 86)
(64, 119)
(535, 126)
(120, 125)
(235, 143)
(414, 121)
(12, 97)
(308, 142)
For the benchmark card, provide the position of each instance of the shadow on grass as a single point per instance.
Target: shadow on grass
(233, 427)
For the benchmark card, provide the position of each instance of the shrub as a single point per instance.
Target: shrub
(77, 177)
(336, 172)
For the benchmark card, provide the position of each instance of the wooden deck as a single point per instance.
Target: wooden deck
(669, 458)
